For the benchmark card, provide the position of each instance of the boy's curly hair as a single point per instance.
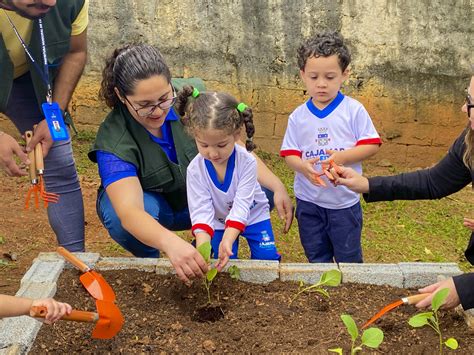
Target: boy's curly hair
(324, 45)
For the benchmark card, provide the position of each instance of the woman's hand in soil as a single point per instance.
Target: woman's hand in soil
(469, 223)
(451, 301)
(185, 259)
(9, 147)
(55, 310)
(350, 178)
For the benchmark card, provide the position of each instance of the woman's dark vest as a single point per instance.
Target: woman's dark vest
(122, 135)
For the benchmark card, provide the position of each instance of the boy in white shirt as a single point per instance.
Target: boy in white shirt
(329, 126)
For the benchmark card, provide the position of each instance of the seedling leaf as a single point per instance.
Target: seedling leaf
(439, 298)
(234, 272)
(205, 250)
(323, 292)
(211, 274)
(331, 278)
(420, 319)
(336, 350)
(451, 343)
(351, 326)
(372, 337)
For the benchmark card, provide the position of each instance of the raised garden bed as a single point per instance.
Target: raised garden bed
(163, 315)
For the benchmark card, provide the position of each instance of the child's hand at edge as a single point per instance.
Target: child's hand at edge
(55, 309)
(469, 223)
(225, 252)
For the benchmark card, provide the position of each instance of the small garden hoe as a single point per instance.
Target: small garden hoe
(94, 283)
(108, 319)
(405, 300)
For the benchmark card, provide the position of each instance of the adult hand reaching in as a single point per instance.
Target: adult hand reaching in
(9, 147)
(451, 301)
(350, 178)
(41, 135)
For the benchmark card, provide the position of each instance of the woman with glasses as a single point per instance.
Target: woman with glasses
(142, 152)
(451, 174)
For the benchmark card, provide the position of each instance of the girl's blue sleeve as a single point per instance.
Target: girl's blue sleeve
(112, 168)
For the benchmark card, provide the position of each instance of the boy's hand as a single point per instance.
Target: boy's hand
(55, 310)
(469, 223)
(310, 173)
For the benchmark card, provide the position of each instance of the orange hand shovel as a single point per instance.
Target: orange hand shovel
(108, 319)
(414, 299)
(94, 283)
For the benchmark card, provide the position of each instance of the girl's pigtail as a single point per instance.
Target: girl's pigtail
(182, 102)
(247, 116)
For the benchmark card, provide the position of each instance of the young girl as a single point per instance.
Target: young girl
(11, 306)
(224, 197)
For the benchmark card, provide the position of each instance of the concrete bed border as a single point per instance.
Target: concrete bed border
(18, 334)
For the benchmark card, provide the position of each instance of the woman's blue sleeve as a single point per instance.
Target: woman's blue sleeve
(112, 168)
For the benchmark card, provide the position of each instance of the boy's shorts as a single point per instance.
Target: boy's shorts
(259, 237)
(329, 235)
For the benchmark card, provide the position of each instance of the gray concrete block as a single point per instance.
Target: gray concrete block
(43, 271)
(256, 271)
(142, 264)
(89, 258)
(18, 330)
(49, 256)
(308, 273)
(37, 290)
(15, 349)
(164, 266)
(422, 274)
(373, 274)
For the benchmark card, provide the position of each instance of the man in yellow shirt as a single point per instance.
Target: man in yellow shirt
(23, 89)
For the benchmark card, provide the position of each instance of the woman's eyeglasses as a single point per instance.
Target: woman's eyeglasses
(148, 110)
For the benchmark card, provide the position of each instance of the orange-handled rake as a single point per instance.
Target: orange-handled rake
(34, 188)
(47, 197)
(108, 319)
(94, 283)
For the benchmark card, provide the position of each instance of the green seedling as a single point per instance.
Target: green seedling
(432, 319)
(371, 337)
(205, 250)
(234, 272)
(328, 278)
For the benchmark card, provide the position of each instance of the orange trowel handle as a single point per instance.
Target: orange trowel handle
(415, 298)
(76, 316)
(31, 157)
(74, 260)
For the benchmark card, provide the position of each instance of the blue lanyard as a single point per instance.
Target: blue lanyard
(44, 73)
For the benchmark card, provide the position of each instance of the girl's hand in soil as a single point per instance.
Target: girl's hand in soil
(469, 223)
(350, 178)
(55, 310)
(451, 301)
(225, 247)
(185, 259)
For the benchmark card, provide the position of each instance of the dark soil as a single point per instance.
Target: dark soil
(164, 316)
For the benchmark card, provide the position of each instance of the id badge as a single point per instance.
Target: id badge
(54, 118)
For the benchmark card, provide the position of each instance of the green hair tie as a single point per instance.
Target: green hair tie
(195, 93)
(241, 107)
